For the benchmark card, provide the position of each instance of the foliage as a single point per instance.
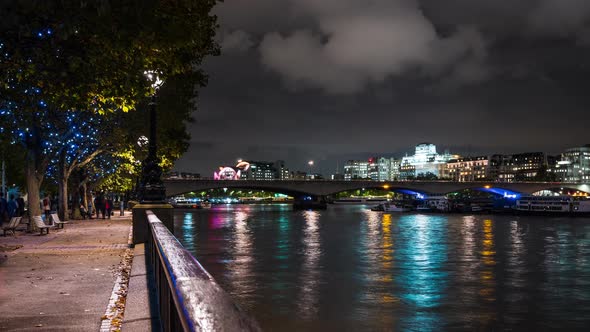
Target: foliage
(90, 56)
(77, 54)
(429, 176)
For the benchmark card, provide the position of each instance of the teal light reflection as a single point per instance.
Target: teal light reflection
(188, 225)
(422, 254)
(308, 298)
(281, 258)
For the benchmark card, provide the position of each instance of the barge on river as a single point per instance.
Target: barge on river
(553, 205)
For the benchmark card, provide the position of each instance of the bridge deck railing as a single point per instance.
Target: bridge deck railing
(189, 299)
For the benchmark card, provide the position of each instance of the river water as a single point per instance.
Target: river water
(351, 269)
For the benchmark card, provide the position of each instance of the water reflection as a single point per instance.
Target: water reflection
(310, 271)
(348, 268)
(188, 228)
(487, 278)
(281, 284)
(241, 268)
(422, 252)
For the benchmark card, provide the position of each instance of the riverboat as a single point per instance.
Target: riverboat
(424, 208)
(437, 203)
(392, 207)
(184, 204)
(553, 205)
(361, 200)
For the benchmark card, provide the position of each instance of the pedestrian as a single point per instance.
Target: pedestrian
(103, 206)
(98, 205)
(108, 204)
(90, 211)
(47, 207)
(12, 207)
(3, 209)
(122, 207)
(21, 205)
(83, 211)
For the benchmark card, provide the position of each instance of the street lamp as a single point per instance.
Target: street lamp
(151, 187)
(310, 163)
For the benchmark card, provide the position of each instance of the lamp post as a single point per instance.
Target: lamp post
(310, 163)
(151, 187)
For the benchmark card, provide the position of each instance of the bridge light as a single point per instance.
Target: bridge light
(487, 186)
(385, 186)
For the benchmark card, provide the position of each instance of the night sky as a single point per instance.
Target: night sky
(331, 80)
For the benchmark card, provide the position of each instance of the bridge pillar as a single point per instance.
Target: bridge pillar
(310, 202)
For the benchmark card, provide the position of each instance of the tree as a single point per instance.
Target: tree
(77, 55)
(427, 176)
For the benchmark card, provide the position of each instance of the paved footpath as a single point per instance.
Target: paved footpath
(62, 281)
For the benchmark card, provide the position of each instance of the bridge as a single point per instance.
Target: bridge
(321, 188)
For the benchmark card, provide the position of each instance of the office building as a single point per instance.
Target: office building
(425, 162)
(356, 169)
(467, 169)
(574, 165)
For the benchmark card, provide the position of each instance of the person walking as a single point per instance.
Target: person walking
(108, 207)
(103, 206)
(90, 210)
(21, 205)
(47, 207)
(98, 205)
(12, 207)
(3, 209)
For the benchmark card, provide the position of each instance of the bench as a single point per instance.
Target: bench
(41, 225)
(11, 226)
(56, 222)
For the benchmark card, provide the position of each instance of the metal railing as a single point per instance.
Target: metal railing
(188, 297)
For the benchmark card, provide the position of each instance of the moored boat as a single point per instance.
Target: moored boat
(360, 200)
(553, 205)
(392, 207)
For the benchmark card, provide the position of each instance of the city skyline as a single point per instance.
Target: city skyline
(508, 87)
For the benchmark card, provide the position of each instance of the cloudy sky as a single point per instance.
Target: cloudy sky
(331, 80)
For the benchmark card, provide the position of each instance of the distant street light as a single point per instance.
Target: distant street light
(151, 187)
(310, 163)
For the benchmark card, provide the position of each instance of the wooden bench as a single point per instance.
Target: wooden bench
(41, 225)
(56, 222)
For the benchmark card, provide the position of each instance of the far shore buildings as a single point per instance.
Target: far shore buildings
(426, 163)
(572, 166)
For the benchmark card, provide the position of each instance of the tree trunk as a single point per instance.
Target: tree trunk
(33, 186)
(76, 193)
(62, 182)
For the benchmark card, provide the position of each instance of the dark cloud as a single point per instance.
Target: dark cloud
(361, 42)
(336, 79)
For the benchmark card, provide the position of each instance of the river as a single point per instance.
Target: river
(351, 269)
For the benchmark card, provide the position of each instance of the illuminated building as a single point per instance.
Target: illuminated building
(574, 165)
(356, 169)
(394, 169)
(259, 170)
(254, 170)
(424, 161)
(281, 171)
(467, 169)
(518, 167)
(379, 168)
(231, 173)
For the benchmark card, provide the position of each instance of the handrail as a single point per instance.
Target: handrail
(189, 298)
